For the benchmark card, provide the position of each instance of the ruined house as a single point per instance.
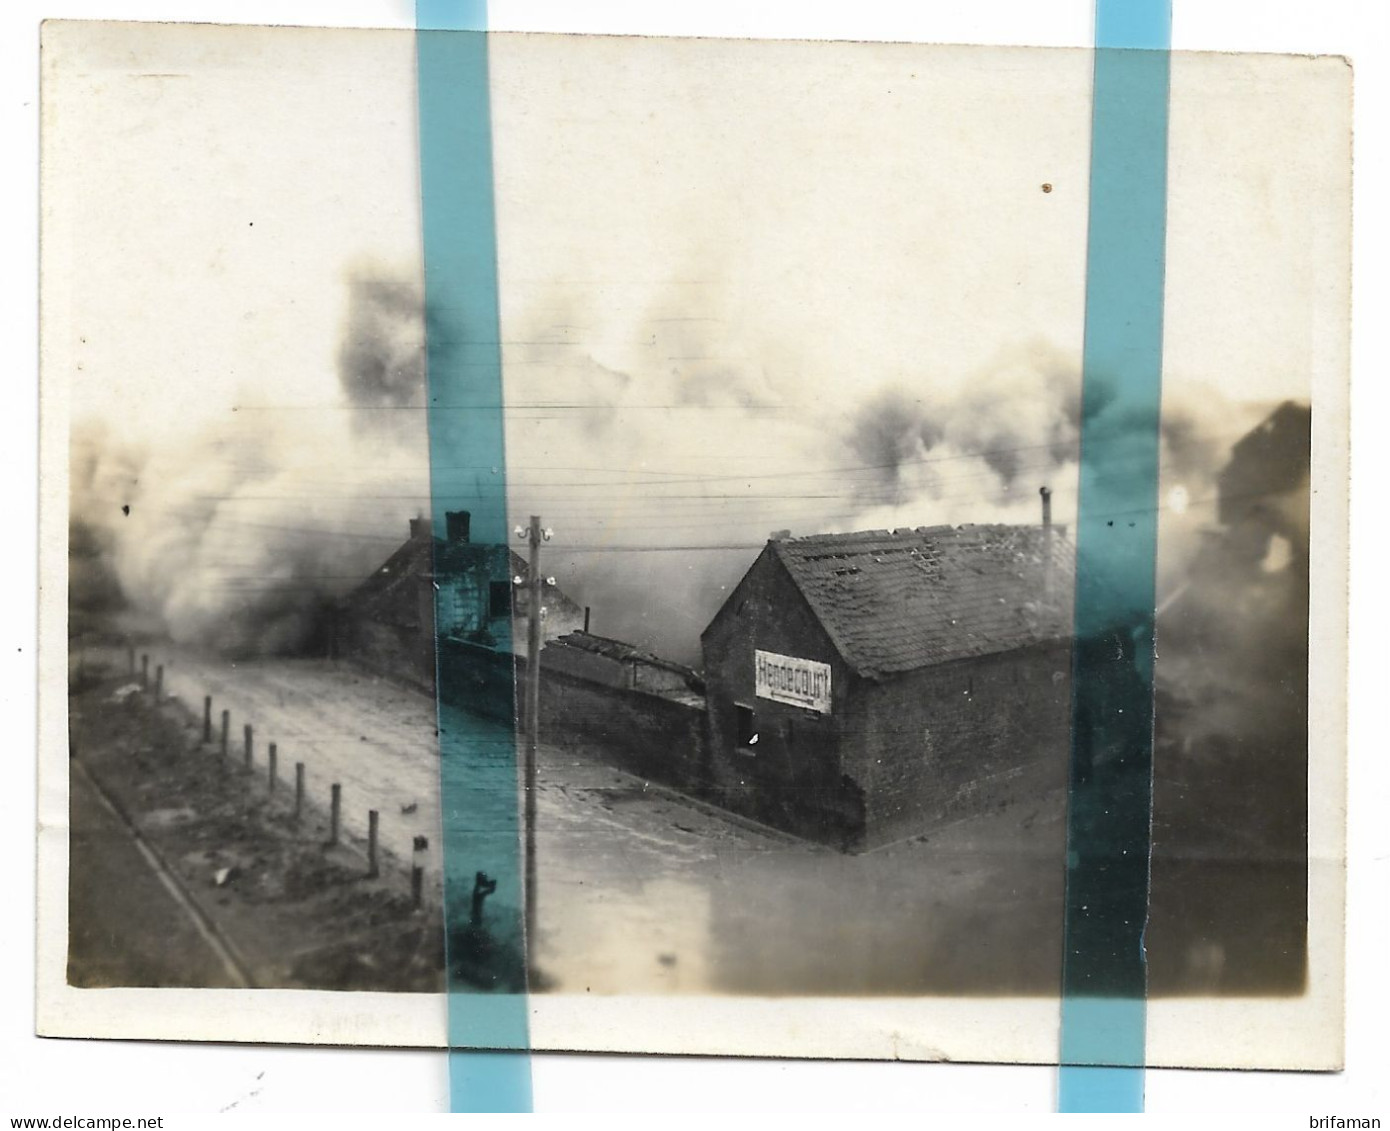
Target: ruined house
(476, 591)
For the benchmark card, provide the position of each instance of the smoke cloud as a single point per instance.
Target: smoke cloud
(979, 453)
(1012, 427)
(240, 535)
(382, 360)
(664, 462)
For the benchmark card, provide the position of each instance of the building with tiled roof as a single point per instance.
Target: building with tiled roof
(863, 687)
(893, 601)
(442, 588)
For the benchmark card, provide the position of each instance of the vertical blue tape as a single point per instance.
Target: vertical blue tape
(488, 1015)
(1104, 976)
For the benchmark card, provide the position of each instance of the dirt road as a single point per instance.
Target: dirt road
(642, 890)
(374, 738)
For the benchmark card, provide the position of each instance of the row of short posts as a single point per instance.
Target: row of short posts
(272, 780)
(145, 674)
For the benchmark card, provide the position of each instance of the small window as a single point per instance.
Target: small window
(499, 594)
(747, 724)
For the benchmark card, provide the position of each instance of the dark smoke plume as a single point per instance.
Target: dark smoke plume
(382, 359)
(920, 448)
(890, 430)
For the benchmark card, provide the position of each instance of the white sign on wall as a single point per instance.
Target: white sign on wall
(787, 679)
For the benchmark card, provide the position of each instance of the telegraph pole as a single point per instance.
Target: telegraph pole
(534, 582)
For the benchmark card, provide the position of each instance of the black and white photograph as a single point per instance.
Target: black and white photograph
(772, 648)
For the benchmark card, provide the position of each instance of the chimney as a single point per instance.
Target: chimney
(456, 525)
(419, 529)
(1046, 493)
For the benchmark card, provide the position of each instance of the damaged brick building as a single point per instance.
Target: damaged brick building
(387, 624)
(863, 687)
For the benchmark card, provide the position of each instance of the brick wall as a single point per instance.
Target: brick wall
(793, 778)
(958, 739)
(655, 738)
(479, 679)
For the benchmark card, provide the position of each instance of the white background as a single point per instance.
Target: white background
(91, 1078)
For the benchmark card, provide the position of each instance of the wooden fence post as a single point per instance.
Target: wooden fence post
(335, 814)
(373, 819)
(226, 728)
(298, 791)
(145, 670)
(248, 745)
(207, 718)
(159, 683)
(417, 871)
(273, 756)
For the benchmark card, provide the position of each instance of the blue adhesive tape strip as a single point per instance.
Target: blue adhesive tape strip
(485, 932)
(1104, 977)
